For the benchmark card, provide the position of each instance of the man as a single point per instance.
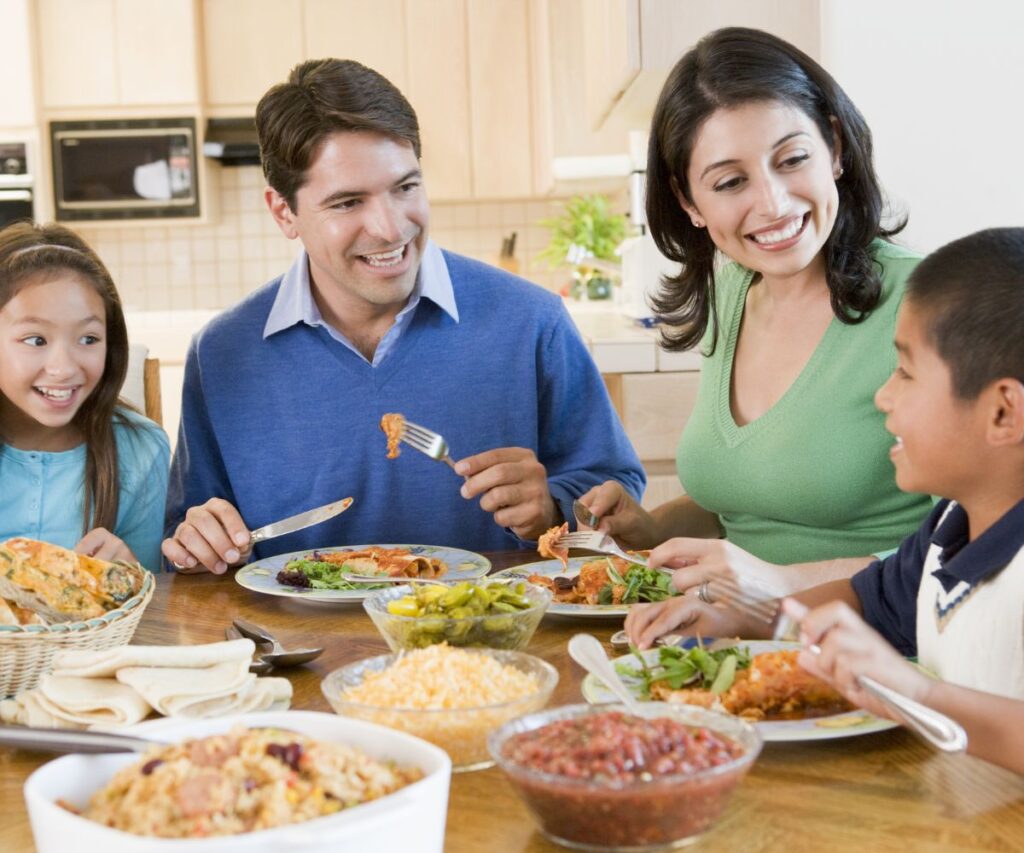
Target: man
(283, 393)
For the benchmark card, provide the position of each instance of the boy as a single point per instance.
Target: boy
(953, 594)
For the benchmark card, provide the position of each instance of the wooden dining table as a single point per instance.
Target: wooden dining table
(875, 792)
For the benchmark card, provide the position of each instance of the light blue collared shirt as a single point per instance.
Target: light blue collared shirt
(295, 304)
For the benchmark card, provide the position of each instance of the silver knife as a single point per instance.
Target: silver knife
(298, 522)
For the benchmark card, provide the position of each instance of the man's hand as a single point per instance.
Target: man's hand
(104, 545)
(513, 485)
(621, 515)
(211, 538)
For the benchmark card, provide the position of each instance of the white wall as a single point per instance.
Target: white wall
(939, 82)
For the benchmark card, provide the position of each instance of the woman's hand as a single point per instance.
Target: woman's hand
(104, 545)
(700, 560)
(620, 515)
(851, 648)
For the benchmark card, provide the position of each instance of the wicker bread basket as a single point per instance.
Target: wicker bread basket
(26, 652)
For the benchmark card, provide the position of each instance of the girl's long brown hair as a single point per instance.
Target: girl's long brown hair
(38, 253)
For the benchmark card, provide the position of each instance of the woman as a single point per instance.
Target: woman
(757, 154)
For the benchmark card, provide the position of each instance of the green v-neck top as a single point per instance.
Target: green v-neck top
(810, 479)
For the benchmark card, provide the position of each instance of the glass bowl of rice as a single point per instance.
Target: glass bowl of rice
(451, 697)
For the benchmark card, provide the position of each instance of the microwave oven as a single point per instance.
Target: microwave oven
(125, 169)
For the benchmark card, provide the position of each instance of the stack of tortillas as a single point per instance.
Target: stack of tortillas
(121, 686)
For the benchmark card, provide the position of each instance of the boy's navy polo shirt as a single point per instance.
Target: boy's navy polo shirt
(888, 588)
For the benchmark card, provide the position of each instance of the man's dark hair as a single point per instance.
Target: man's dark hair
(321, 97)
(970, 294)
(730, 68)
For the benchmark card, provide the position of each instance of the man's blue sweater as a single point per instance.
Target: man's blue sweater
(283, 424)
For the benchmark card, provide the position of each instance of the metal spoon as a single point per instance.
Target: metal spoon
(68, 740)
(278, 656)
(588, 652)
(258, 665)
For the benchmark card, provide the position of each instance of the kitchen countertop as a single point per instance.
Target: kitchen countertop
(617, 344)
(621, 345)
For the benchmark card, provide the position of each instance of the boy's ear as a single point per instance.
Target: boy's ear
(1006, 420)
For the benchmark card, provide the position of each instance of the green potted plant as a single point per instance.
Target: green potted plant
(586, 229)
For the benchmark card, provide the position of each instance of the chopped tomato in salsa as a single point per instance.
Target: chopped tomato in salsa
(618, 747)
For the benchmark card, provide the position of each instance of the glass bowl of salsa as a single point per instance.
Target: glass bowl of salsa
(601, 778)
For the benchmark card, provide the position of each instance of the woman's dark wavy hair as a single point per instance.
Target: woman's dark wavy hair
(31, 253)
(726, 69)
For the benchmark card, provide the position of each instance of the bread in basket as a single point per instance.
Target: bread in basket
(57, 599)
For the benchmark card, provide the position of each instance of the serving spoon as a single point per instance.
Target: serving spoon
(588, 652)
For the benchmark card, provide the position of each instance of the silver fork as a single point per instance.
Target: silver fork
(600, 542)
(426, 441)
(940, 731)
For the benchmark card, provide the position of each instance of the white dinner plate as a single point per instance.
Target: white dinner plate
(554, 568)
(846, 724)
(261, 576)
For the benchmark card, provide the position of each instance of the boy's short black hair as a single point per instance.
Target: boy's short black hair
(971, 294)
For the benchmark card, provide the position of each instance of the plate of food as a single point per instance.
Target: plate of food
(594, 586)
(321, 575)
(756, 680)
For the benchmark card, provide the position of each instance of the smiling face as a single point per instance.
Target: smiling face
(939, 436)
(53, 349)
(362, 216)
(762, 180)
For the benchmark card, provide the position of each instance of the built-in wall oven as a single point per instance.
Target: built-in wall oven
(125, 169)
(16, 184)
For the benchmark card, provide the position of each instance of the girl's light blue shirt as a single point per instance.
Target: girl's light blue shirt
(41, 493)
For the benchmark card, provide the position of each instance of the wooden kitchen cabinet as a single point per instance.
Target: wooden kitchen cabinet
(439, 93)
(372, 32)
(248, 46)
(655, 407)
(17, 100)
(500, 103)
(633, 44)
(611, 51)
(117, 53)
(468, 68)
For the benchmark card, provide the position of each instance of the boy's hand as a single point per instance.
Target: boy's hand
(211, 538)
(104, 545)
(851, 648)
(512, 484)
(620, 515)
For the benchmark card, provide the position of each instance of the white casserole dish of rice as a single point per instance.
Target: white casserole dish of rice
(412, 818)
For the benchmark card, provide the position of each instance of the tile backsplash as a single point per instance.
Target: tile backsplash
(213, 265)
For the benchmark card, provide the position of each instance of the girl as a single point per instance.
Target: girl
(79, 468)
